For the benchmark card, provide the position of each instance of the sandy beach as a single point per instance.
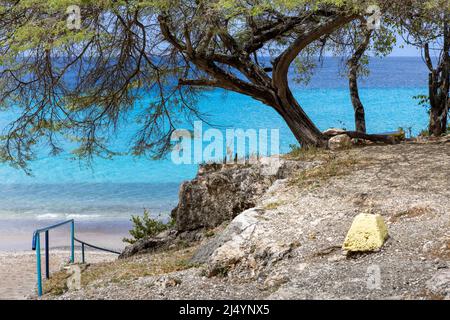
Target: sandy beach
(18, 270)
(18, 261)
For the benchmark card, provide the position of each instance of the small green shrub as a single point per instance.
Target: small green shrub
(146, 227)
(423, 100)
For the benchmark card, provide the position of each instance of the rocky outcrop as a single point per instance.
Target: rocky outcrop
(220, 191)
(233, 235)
(340, 141)
(231, 248)
(152, 244)
(310, 226)
(289, 246)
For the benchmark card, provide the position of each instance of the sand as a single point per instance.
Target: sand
(18, 261)
(18, 270)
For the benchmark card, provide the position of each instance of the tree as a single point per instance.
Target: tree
(426, 25)
(352, 44)
(353, 72)
(81, 82)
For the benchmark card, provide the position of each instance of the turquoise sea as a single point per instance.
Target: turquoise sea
(112, 190)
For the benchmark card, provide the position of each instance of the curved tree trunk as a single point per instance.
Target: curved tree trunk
(353, 65)
(302, 127)
(304, 130)
(256, 83)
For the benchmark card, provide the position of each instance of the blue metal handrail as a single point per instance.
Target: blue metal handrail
(36, 245)
(83, 244)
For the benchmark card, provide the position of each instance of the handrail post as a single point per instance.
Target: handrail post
(47, 258)
(38, 263)
(82, 253)
(72, 240)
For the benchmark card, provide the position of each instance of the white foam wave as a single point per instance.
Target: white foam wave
(83, 216)
(48, 216)
(54, 216)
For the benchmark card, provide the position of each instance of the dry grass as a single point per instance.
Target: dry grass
(445, 253)
(428, 295)
(441, 252)
(333, 165)
(411, 213)
(273, 205)
(126, 269)
(57, 284)
(309, 154)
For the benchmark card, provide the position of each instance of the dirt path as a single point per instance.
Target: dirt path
(18, 270)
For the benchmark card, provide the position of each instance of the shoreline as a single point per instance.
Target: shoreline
(16, 235)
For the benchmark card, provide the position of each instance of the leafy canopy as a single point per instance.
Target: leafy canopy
(78, 85)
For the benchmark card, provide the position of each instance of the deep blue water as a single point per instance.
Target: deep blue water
(115, 189)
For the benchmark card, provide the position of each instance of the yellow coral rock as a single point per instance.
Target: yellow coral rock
(367, 233)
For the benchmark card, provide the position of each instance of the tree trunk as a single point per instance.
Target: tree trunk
(353, 65)
(439, 101)
(304, 130)
(439, 85)
(439, 118)
(358, 107)
(438, 122)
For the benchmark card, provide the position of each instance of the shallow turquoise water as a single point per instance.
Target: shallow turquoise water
(62, 188)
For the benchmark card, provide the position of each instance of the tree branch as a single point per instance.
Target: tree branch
(389, 139)
(362, 47)
(198, 82)
(283, 62)
(428, 61)
(168, 35)
(265, 33)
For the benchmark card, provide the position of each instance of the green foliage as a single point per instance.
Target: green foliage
(304, 66)
(383, 42)
(145, 226)
(82, 83)
(423, 100)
